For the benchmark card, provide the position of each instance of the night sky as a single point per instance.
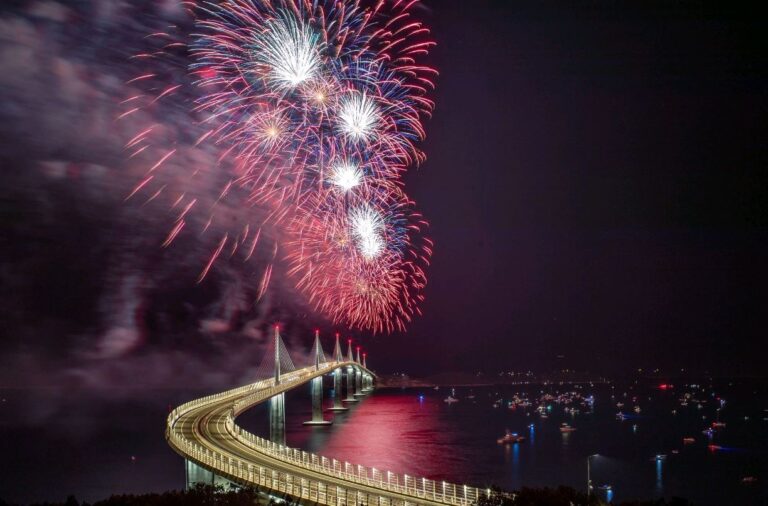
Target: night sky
(596, 185)
(596, 188)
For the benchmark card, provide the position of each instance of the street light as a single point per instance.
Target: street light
(589, 480)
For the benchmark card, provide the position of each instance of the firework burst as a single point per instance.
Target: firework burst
(318, 104)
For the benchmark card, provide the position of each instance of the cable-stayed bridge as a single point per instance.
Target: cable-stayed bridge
(219, 452)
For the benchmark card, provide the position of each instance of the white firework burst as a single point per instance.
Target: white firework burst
(358, 117)
(290, 50)
(367, 225)
(346, 175)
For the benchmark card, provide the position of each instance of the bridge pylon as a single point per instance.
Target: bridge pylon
(367, 380)
(277, 402)
(358, 377)
(351, 373)
(337, 377)
(316, 386)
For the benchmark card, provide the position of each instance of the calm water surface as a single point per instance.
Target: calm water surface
(414, 431)
(94, 448)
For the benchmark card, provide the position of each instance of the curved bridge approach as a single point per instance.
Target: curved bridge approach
(204, 432)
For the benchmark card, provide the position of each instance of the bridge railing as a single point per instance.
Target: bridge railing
(316, 491)
(450, 493)
(246, 396)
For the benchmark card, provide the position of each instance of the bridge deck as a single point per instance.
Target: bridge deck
(204, 431)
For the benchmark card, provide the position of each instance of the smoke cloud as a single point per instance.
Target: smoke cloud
(90, 299)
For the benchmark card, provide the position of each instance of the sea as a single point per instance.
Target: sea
(93, 448)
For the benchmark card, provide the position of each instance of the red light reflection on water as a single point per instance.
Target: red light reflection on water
(373, 430)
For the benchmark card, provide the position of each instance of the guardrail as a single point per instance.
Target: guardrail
(413, 490)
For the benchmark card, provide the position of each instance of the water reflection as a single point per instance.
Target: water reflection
(659, 480)
(384, 432)
(516, 457)
(507, 454)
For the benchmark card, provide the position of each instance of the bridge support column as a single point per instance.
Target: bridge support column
(337, 391)
(277, 419)
(317, 403)
(350, 385)
(196, 475)
(359, 383)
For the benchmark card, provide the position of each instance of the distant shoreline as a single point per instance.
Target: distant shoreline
(399, 382)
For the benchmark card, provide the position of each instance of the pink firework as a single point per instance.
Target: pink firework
(316, 108)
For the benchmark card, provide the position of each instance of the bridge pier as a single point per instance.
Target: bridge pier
(316, 386)
(367, 378)
(317, 403)
(358, 377)
(196, 475)
(367, 386)
(277, 402)
(359, 383)
(351, 381)
(350, 385)
(277, 419)
(337, 391)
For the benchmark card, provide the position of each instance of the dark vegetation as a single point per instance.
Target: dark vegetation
(564, 496)
(212, 496)
(200, 496)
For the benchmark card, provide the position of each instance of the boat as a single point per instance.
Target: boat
(749, 479)
(564, 427)
(659, 457)
(621, 416)
(450, 399)
(689, 440)
(718, 425)
(436, 388)
(714, 448)
(510, 438)
(619, 404)
(637, 409)
(708, 432)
